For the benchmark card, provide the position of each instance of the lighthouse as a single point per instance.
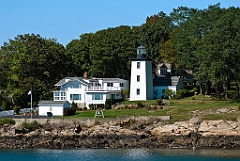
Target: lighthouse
(141, 82)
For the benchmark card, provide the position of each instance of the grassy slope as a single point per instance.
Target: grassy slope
(179, 110)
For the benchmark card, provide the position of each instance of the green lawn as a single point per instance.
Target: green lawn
(179, 110)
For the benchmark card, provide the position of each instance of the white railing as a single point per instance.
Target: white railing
(99, 88)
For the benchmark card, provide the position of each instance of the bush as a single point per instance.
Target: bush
(69, 111)
(159, 102)
(139, 104)
(74, 105)
(177, 96)
(91, 106)
(7, 121)
(181, 93)
(17, 109)
(168, 93)
(107, 104)
(31, 125)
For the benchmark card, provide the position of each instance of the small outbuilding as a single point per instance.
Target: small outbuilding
(52, 108)
(161, 84)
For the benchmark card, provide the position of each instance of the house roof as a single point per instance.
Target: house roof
(166, 81)
(51, 103)
(164, 65)
(110, 79)
(69, 79)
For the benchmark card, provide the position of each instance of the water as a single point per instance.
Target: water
(119, 155)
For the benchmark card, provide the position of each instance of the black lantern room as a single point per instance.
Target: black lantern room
(141, 52)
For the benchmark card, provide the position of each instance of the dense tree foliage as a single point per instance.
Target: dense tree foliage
(207, 43)
(203, 41)
(30, 61)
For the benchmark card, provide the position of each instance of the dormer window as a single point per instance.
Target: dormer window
(163, 72)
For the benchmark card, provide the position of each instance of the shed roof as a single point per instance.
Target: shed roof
(51, 103)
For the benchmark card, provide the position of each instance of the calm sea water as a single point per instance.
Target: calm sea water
(119, 155)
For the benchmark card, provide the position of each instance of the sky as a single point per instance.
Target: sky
(66, 20)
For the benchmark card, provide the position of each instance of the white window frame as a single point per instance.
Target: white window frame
(94, 97)
(73, 96)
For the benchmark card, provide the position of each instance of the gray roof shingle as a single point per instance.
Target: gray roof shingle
(51, 103)
(68, 79)
(166, 81)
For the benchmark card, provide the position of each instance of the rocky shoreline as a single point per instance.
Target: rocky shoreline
(128, 133)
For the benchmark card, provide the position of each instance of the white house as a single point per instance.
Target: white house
(141, 87)
(85, 91)
(54, 108)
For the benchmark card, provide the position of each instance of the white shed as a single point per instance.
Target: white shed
(52, 107)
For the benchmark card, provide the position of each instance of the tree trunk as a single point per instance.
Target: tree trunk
(206, 87)
(225, 90)
(237, 89)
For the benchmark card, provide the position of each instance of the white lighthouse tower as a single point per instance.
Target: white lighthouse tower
(141, 84)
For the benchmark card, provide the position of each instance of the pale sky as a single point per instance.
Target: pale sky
(66, 20)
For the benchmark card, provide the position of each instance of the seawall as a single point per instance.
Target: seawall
(134, 132)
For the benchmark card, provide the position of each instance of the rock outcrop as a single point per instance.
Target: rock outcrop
(126, 134)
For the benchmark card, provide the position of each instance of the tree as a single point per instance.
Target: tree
(79, 53)
(155, 32)
(31, 62)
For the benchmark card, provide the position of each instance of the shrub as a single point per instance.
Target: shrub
(159, 102)
(168, 93)
(124, 94)
(74, 105)
(69, 111)
(231, 94)
(31, 125)
(17, 109)
(84, 108)
(139, 104)
(107, 104)
(91, 106)
(7, 121)
(177, 96)
(181, 93)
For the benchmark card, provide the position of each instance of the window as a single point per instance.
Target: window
(75, 97)
(138, 91)
(59, 96)
(97, 97)
(121, 84)
(75, 85)
(163, 71)
(110, 84)
(138, 65)
(138, 78)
